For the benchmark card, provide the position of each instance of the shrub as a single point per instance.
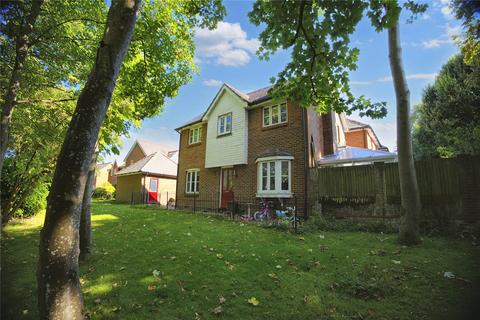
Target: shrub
(106, 192)
(36, 200)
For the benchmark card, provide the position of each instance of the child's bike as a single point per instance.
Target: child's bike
(265, 211)
(288, 216)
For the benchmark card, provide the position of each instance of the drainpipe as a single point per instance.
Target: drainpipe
(305, 157)
(334, 132)
(178, 168)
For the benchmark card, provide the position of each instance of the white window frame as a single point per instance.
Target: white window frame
(195, 135)
(223, 118)
(270, 115)
(277, 192)
(192, 181)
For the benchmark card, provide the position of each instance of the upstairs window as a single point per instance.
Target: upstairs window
(195, 135)
(276, 114)
(224, 124)
(193, 181)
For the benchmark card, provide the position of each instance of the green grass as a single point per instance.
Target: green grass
(199, 259)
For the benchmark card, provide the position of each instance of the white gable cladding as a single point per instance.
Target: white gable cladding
(230, 149)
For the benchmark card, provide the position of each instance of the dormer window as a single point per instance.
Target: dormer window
(224, 125)
(195, 135)
(276, 114)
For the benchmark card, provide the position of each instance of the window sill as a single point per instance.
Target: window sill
(224, 134)
(275, 126)
(274, 195)
(191, 194)
(194, 144)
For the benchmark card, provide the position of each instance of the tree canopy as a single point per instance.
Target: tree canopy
(318, 33)
(469, 12)
(448, 118)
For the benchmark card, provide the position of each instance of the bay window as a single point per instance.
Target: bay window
(276, 114)
(192, 181)
(274, 176)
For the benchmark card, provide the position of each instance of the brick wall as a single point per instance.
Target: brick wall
(134, 156)
(356, 138)
(126, 185)
(287, 137)
(191, 157)
(327, 132)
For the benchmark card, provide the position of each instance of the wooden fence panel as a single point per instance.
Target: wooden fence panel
(439, 180)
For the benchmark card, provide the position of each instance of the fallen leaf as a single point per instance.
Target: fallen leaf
(396, 261)
(217, 310)
(222, 300)
(253, 301)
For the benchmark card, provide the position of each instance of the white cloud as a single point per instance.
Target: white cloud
(426, 16)
(435, 43)
(413, 76)
(212, 83)
(361, 83)
(447, 12)
(227, 45)
(450, 33)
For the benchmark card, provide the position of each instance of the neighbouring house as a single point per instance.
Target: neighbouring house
(149, 174)
(247, 146)
(105, 172)
(354, 133)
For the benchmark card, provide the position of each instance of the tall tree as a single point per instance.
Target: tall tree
(59, 292)
(318, 33)
(173, 22)
(43, 58)
(447, 121)
(22, 47)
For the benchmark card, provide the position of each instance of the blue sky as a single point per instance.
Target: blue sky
(227, 54)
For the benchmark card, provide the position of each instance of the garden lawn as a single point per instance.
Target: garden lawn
(155, 264)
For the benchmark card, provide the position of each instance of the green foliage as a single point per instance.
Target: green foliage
(318, 33)
(105, 192)
(447, 122)
(36, 135)
(177, 275)
(36, 201)
(21, 199)
(469, 12)
(63, 50)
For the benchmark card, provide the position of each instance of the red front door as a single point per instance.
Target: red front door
(153, 190)
(227, 187)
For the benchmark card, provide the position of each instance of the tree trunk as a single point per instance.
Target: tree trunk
(85, 216)
(21, 52)
(409, 229)
(59, 292)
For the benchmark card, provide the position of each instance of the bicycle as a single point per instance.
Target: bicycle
(265, 211)
(288, 216)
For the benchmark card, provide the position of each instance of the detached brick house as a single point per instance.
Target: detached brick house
(247, 146)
